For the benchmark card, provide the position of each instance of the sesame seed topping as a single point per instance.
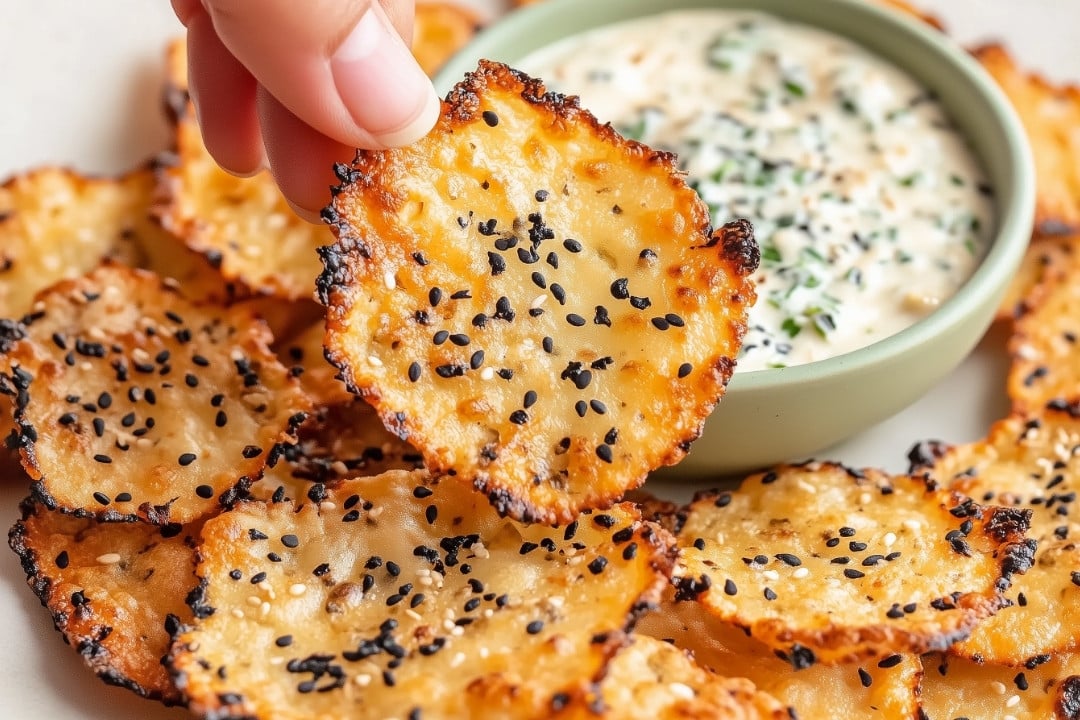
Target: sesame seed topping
(490, 117)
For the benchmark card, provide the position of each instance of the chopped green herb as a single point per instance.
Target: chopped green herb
(770, 253)
(794, 88)
(791, 327)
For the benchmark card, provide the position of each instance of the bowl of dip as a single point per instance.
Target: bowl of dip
(888, 180)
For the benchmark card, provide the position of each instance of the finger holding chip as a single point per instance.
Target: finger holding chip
(532, 301)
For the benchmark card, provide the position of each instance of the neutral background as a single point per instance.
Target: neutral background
(79, 86)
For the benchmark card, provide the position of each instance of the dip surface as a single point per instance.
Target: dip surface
(867, 203)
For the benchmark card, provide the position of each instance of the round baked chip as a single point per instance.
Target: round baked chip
(826, 563)
(115, 591)
(440, 29)
(404, 598)
(654, 680)
(537, 304)
(882, 689)
(1044, 265)
(132, 402)
(1030, 464)
(1048, 687)
(1045, 362)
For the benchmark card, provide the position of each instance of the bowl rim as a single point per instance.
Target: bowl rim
(1014, 203)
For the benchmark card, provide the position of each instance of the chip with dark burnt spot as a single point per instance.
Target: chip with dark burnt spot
(400, 596)
(115, 590)
(537, 304)
(132, 402)
(827, 564)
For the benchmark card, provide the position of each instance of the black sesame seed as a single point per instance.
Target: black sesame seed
(251, 451)
(865, 679)
(660, 323)
(597, 565)
(890, 662)
(491, 118)
(103, 459)
(191, 381)
(575, 320)
(853, 574)
(459, 339)
(598, 407)
(476, 360)
(62, 560)
(393, 568)
(104, 401)
(258, 578)
(204, 491)
(789, 559)
(558, 293)
(535, 627)
(99, 427)
(730, 588)
(685, 369)
(769, 594)
(529, 399)
(674, 320)
(604, 453)
(581, 408)
(186, 459)
(640, 303)
(290, 541)
(847, 531)
(284, 641)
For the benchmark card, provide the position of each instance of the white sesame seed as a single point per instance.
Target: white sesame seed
(538, 301)
(297, 589)
(865, 499)
(374, 361)
(484, 652)
(999, 687)
(912, 525)
(279, 660)
(276, 221)
(681, 690)
(425, 581)
(889, 540)
(375, 512)
(414, 615)
(457, 660)
(1012, 701)
(806, 488)
(488, 612)
(254, 600)
(363, 680)
(800, 572)
(327, 505)
(339, 467)
(458, 631)
(487, 373)
(389, 280)
(109, 558)
(771, 574)
(264, 610)
(238, 613)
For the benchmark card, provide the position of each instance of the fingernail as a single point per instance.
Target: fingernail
(381, 85)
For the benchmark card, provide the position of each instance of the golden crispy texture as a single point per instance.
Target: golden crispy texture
(866, 691)
(955, 688)
(56, 224)
(1045, 363)
(1030, 464)
(1045, 263)
(113, 589)
(336, 443)
(440, 29)
(533, 302)
(824, 563)
(132, 402)
(304, 354)
(1051, 117)
(243, 226)
(653, 680)
(409, 595)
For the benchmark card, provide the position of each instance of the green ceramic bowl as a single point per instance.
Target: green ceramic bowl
(771, 416)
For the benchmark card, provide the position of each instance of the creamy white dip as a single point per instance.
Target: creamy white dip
(868, 205)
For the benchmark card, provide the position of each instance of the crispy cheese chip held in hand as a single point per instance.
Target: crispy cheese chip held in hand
(823, 563)
(131, 402)
(403, 598)
(115, 590)
(534, 302)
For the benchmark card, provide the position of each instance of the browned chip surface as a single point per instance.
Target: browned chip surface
(533, 302)
(882, 689)
(1051, 117)
(407, 598)
(440, 30)
(1045, 362)
(653, 680)
(955, 688)
(113, 590)
(824, 563)
(1045, 263)
(1027, 463)
(56, 224)
(131, 401)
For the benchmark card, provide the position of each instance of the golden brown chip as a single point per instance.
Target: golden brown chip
(243, 226)
(532, 301)
(1051, 117)
(115, 591)
(1028, 463)
(440, 30)
(407, 597)
(1045, 263)
(955, 688)
(304, 354)
(876, 690)
(825, 563)
(56, 224)
(131, 401)
(1045, 362)
(666, 514)
(653, 680)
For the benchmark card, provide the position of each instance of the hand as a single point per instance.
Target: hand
(299, 84)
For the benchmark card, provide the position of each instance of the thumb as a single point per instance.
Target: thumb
(340, 66)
